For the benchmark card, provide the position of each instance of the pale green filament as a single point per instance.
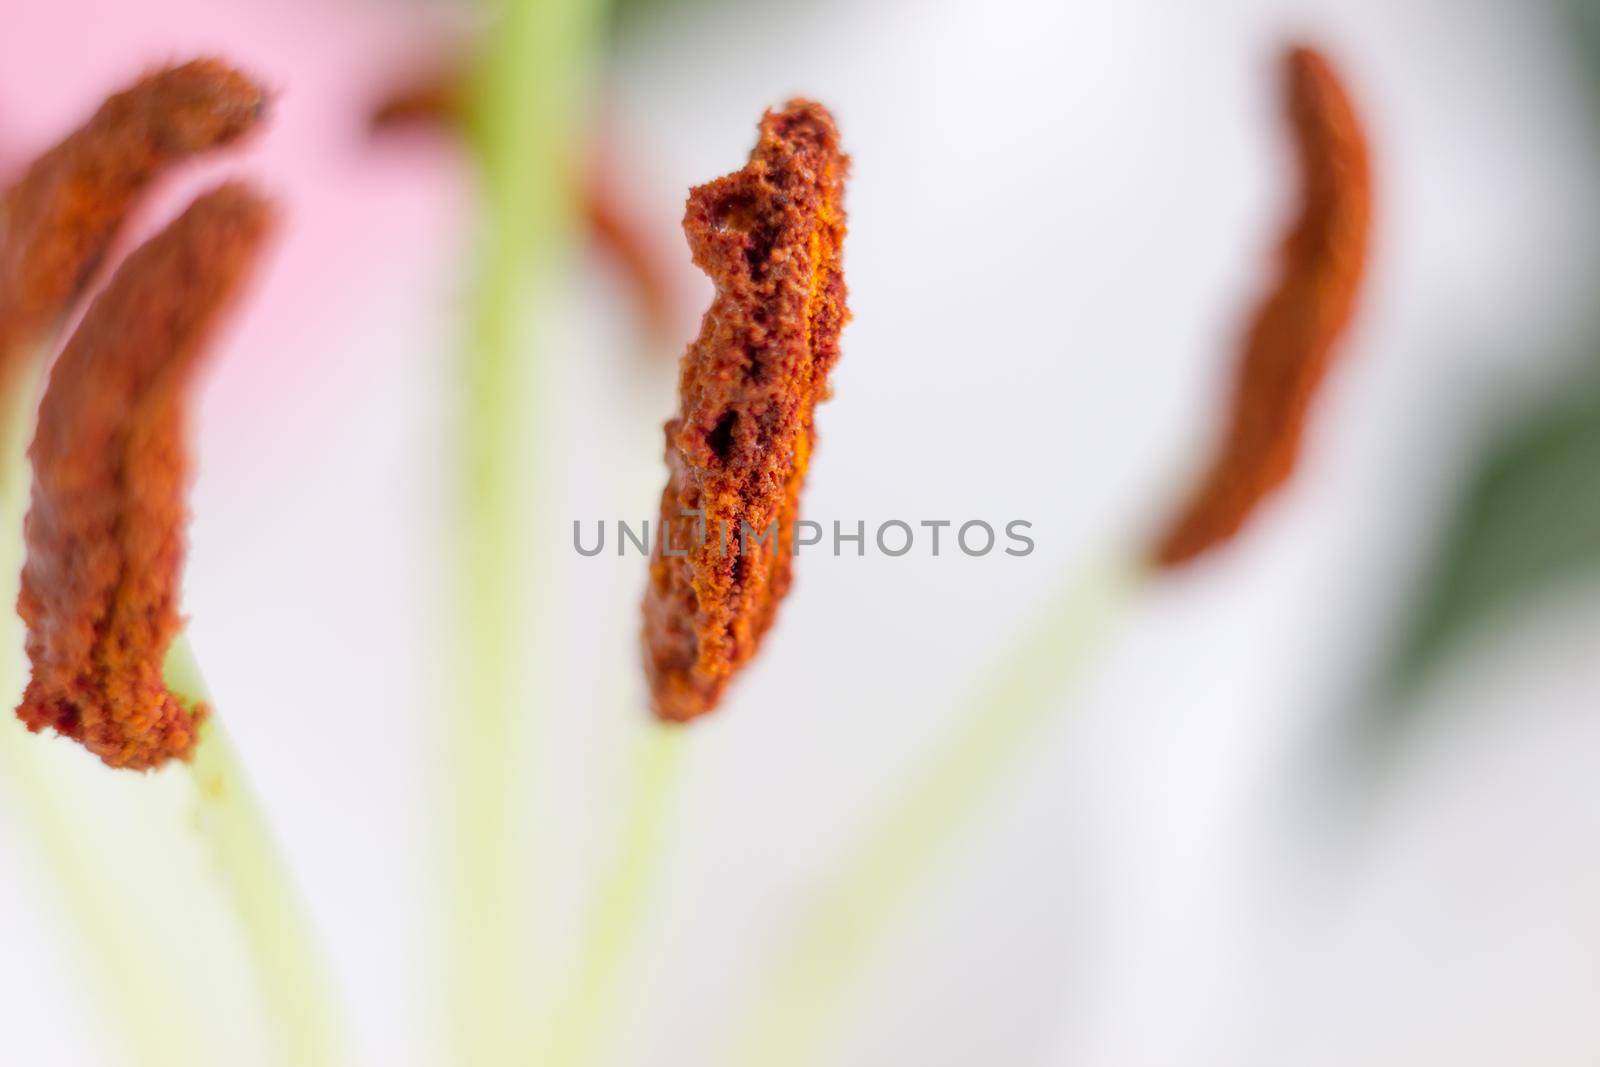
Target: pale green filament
(527, 116)
(581, 1038)
(289, 961)
(145, 994)
(798, 1013)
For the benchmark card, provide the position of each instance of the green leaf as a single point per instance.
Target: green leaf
(637, 15)
(1530, 518)
(1583, 17)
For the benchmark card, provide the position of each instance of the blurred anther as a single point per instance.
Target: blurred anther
(438, 101)
(58, 219)
(1297, 329)
(105, 528)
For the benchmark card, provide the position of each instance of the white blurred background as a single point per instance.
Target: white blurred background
(1060, 215)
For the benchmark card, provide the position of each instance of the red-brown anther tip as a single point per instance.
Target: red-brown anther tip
(437, 102)
(1298, 327)
(201, 104)
(105, 529)
(434, 101)
(57, 221)
(770, 237)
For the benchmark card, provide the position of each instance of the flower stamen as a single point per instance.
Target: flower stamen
(770, 237)
(105, 528)
(58, 219)
(1296, 332)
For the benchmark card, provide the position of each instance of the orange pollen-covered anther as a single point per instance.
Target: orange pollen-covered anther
(769, 236)
(1297, 329)
(60, 216)
(105, 526)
